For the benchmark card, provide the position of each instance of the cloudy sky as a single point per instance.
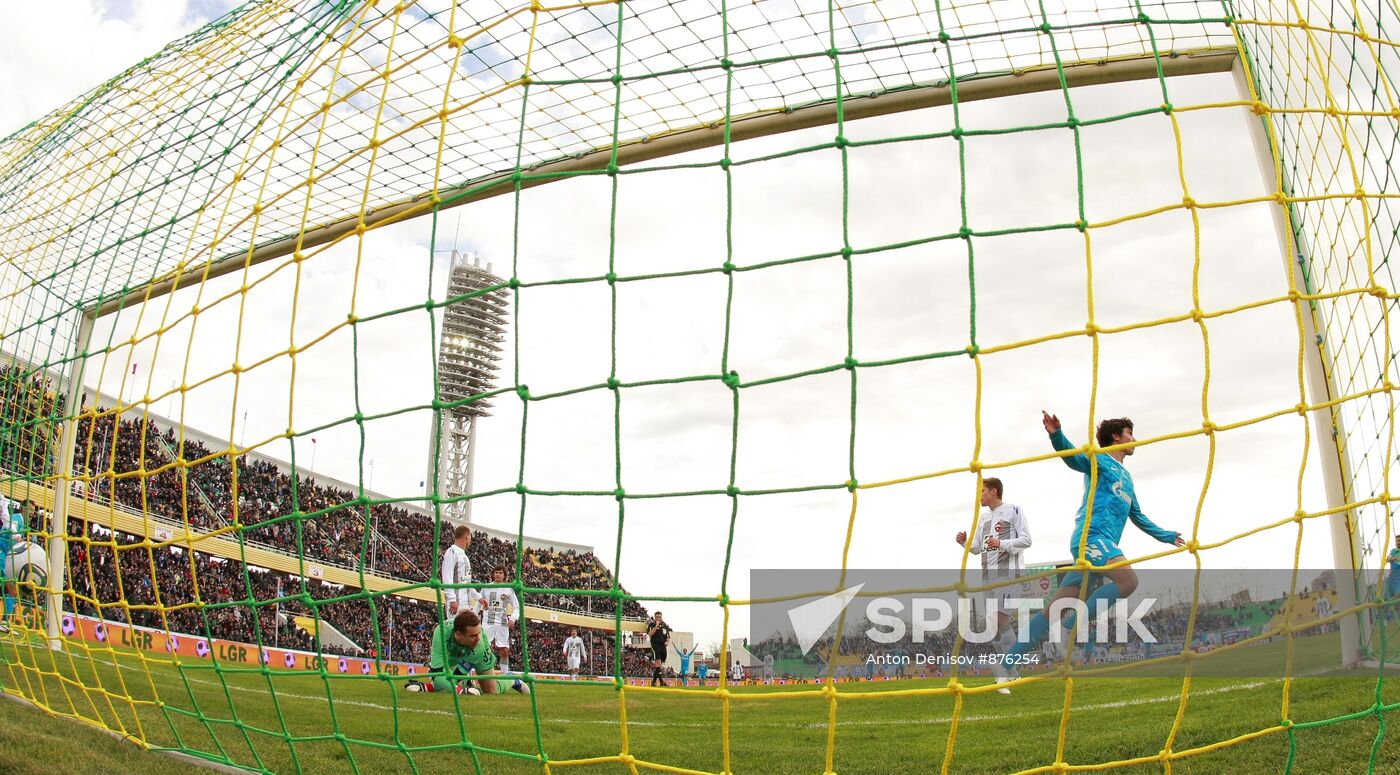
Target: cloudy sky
(911, 419)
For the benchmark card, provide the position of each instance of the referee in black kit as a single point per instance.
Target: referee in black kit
(660, 633)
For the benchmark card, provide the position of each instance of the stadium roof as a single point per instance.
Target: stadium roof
(294, 121)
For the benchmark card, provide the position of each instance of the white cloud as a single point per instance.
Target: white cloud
(55, 51)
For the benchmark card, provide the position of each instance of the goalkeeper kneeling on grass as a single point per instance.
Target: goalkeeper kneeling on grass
(458, 652)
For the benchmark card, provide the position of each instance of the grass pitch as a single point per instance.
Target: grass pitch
(293, 721)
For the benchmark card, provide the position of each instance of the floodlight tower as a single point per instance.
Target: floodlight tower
(468, 357)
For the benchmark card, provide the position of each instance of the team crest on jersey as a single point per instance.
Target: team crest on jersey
(1118, 492)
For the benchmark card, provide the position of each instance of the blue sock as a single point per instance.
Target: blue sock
(1107, 592)
(1035, 633)
(1040, 624)
(9, 605)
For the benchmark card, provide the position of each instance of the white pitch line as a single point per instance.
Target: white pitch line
(1021, 712)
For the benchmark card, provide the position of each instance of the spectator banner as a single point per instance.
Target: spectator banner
(228, 652)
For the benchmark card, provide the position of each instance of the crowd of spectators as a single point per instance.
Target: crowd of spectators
(114, 576)
(28, 422)
(547, 651)
(329, 523)
(404, 625)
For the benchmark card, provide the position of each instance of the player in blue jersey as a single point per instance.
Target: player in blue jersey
(702, 670)
(685, 662)
(11, 533)
(1392, 578)
(1115, 502)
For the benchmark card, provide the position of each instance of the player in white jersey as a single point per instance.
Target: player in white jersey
(457, 572)
(574, 652)
(1001, 538)
(499, 609)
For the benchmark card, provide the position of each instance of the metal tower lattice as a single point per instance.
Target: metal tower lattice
(468, 358)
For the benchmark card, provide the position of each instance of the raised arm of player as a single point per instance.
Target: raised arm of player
(1058, 440)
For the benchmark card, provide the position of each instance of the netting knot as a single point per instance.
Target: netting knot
(1302, 408)
(846, 252)
(1167, 108)
(514, 283)
(965, 233)
(725, 163)
(523, 391)
(1383, 498)
(975, 466)
(1280, 198)
(453, 41)
(1044, 27)
(613, 383)
(726, 63)
(1192, 546)
(1208, 426)
(298, 256)
(852, 485)
(842, 142)
(727, 267)
(1293, 294)
(520, 488)
(731, 491)
(832, 53)
(851, 363)
(627, 758)
(1144, 18)
(1258, 107)
(1299, 515)
(1072, 122)
(1188, 203)
(1091, 329)
(619, 494)
(1378, 291)
(972, 350)
(1081, 225)
(943, 36)
(611, 277)
(731, 379)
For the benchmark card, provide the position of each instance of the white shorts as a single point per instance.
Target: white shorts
(573, 663)
(1004, 595)
(497, 635)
